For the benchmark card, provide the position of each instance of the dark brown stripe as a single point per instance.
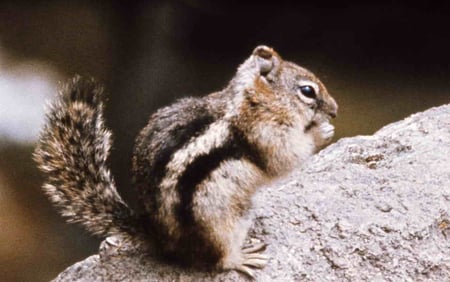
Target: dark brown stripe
(237, 147)
(309, 126)
(179, 137)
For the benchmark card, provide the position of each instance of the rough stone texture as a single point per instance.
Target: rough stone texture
(367, 208)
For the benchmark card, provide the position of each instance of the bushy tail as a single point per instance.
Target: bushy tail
(72, 152)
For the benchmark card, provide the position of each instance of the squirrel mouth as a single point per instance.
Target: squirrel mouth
(317, 122)
(310, 125)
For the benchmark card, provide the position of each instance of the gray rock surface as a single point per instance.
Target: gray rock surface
(367, 208)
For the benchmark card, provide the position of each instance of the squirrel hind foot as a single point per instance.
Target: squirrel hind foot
(249, 258)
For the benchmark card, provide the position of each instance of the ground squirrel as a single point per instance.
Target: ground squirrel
(196, 164)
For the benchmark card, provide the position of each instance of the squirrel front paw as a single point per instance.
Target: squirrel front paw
(323, 133)
(327, 131)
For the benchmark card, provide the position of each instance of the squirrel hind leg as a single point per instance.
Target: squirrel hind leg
(250, 262)
(243, 259)
(252, 258)
(229, 239)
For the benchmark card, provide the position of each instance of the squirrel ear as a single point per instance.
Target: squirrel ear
(267, 59)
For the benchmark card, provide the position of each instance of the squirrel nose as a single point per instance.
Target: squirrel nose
(333, 114)
(331, 108)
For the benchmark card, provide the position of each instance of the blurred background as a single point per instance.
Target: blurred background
(381, 61)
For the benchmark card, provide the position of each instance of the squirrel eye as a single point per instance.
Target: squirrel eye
(308, 91)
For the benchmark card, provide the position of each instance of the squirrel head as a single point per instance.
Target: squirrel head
(265, 77)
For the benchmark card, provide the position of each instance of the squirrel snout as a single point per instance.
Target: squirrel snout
(331, 108)
(333, 114)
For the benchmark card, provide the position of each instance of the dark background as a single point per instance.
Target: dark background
(381, 61)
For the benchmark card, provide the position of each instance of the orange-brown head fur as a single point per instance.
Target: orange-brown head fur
(275, 114)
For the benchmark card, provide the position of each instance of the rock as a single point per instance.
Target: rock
(367, 208)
